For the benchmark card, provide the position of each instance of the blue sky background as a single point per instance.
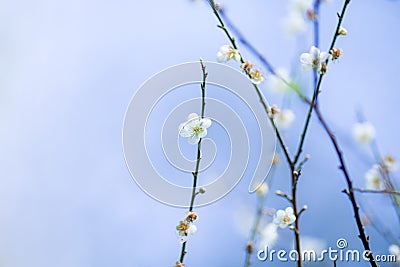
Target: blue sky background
(69, 70)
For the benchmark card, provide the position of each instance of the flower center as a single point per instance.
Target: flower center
(286, 219)
(197, 130)
(315, 62)
(376, 181)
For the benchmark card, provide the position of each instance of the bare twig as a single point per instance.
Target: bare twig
(196, 172)
(388, 192)
(262, 101)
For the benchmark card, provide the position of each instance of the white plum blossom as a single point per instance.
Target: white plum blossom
(268, 236)
(284, 119)
(283, 218)
(194, 128)
(395, 250)
(276, 84)
(390, 164)
(227, 52)
(364, 132)
(314, 60)
(262, 190)
(294, 24)
(372, 178)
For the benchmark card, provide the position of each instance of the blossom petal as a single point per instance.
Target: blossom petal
(280, 214)
(194, 140)
(283, 225)
(192, 229)
(306, 58)
(314, 52)
(289, 210)
(192, 116)
(202, 133)
(205, 123)
(220, 57)
(186, 131)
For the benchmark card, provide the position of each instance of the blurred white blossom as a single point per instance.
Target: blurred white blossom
(314, 60)
(364, 132)
(300, 6)
(395, 250)
(284, 119)
(262, 190)
(294, 24)
(390, 164)
(243, 218)
(268, 236)
(283, 218)
(372, 178)
(226, 53)
(194, 128)
(276, 84)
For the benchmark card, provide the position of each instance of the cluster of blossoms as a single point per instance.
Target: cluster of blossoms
(194, 128)
(255, 76)
(373, 175)
(227, 52)
(186, 226)
(284, 218)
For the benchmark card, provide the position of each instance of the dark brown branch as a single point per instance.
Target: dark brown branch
(196, 172)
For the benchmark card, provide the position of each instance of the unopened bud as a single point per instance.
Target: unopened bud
(342, 31)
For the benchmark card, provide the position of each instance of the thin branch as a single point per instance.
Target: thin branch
(376, 191)
(257, 89)
(196, 172)
(260, 57)
(350, 193)
(295, 179)
(318, 84)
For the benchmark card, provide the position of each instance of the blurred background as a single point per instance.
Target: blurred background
(68, 71)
